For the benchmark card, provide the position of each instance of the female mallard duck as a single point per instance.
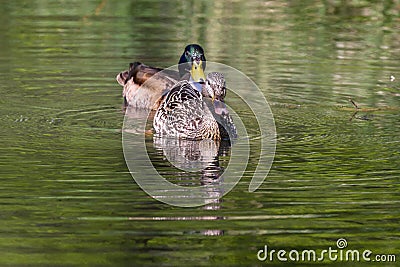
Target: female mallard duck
(216, 84)
(142, 92)
(187, 113)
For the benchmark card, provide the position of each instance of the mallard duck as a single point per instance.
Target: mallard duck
(142, 92)
(216, 84)
(187, 113)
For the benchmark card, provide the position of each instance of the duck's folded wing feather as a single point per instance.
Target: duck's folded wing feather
(181, 113)
(141, 73)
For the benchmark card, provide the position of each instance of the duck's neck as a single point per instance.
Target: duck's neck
(196, 85)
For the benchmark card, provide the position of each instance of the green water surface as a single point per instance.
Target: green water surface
(67, 197)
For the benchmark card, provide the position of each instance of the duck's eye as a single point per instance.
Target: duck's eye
(187, 53)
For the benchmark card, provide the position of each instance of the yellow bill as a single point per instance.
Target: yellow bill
(197, 72)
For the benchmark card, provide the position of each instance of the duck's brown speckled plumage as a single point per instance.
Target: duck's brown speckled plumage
(185, 113)
(216, 84)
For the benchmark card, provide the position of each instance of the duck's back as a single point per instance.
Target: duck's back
(184, 114)
(144, 85)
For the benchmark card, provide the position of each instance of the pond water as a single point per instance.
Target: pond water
(67, 196)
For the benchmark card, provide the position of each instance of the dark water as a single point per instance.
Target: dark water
(66, 194)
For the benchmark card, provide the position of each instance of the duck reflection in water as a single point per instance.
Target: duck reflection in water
(198, 163)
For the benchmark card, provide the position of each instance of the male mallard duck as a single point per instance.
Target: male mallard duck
(187, 113)
(147, 95)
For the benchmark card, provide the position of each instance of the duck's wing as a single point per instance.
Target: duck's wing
(221, 114)
(140, 73)
(183, 114)
(144, 85)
